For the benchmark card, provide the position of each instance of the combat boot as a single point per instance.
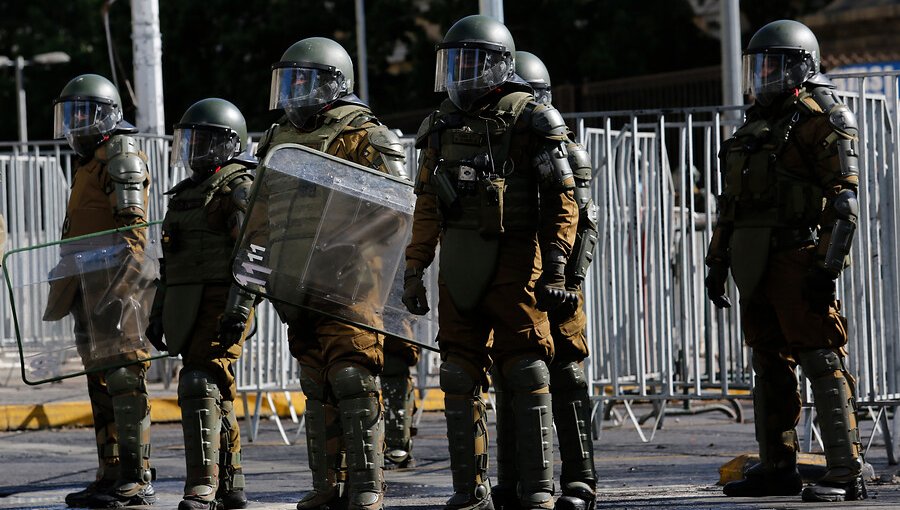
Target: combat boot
(324, 440)
(399, 409)
(467, 438)
(131, 407)
(761, 480)
(572, 416)
(82, 498)
(835, 409)
(230, 494)
(504, 493)
(201, 421)
(529, 380)
(363, 424)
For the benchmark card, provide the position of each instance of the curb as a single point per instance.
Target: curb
(162, 410)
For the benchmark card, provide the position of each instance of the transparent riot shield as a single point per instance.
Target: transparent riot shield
(81, 305)
(329, 236)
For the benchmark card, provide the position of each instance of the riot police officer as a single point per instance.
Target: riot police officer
(568, 385)
(202, 313)
(496, 190)
(787, 216)
(339, 362)
(109, 190)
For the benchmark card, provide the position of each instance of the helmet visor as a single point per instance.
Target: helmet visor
(202, 148)
(294, 86)
(471, 68)
(768, 74)
(82, 117)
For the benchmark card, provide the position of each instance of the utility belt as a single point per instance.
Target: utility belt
(789, 238)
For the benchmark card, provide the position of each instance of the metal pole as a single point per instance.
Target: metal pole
(147, 47)
(493, 8)
(20, 100)
(361, 56)
(731, 53)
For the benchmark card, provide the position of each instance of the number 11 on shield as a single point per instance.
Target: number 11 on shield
(251, 270)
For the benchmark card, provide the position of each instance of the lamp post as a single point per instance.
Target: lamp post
(53, 57)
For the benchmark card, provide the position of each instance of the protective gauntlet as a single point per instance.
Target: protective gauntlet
(237, 312)
(550, 290)
(414, 296)
(715, 281)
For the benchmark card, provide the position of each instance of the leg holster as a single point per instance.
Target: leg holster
(201, 420)
(529, 380)
(131, 407)
(466, 434)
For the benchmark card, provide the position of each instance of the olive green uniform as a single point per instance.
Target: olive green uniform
(492, 237)
(199, 231)
(119, 400)
(338, 361)
(784, 168)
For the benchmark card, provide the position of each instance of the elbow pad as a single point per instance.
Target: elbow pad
(391, 154)
(552, 164)
(846, 208)
(128, 171)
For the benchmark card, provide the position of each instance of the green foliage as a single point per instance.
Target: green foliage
(225, 48)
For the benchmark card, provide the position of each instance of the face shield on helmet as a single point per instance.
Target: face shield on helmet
(203, 148)
(302, 88)
(767, 75)
(469, 72)
(83, 122)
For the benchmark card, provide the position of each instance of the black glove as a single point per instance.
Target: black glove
(819, 289)
(715, 281)
(232, 325)
(414, 296)
(154, 334)
(550, 290)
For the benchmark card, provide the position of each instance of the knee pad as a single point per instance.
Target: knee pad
(312, 386)
(194, 383)
(820, 362)
(351, 381)
(122, 380)
(567, 376)
(528, 374)
(456, 380)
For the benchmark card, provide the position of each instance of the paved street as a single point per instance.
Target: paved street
(677, 470)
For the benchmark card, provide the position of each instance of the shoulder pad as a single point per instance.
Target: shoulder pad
(843, 121)
(386, 141)
(364, 118)
(125, 162)
(547, 120)
(424, 130)
(825, 99)
(121, 144)
(580, 161)
(262, 147)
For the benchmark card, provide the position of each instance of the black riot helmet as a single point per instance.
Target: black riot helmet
(86, 112)
(312, 73)
(211, 132)
(476, 56)
(780, 57)
(531, 69)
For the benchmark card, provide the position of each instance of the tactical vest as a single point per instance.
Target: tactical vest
(760, 190)
(89, 209)
(335, 120)
(194, 251)
(492, 195)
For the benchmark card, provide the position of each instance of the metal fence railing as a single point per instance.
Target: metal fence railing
(653, 335)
